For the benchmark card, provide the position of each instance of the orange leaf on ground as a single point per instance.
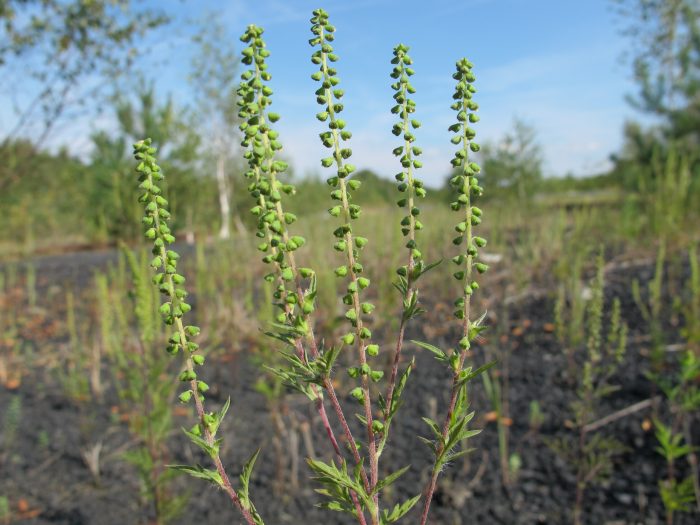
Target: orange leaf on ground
(181, 411)
(13, 383)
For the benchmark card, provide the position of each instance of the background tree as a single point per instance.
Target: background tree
(214, 76)
(665, 38)
(514, 163)
(141, 116)
(67, 51)
(666, 58)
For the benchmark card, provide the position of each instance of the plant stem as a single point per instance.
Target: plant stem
(199, 404)
(692, 460)
(408, 153)
(349, 240)
(466, 325)
(289, 308)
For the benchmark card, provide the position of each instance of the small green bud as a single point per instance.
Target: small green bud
(358, 394)
(186, 396)
(188, 375)
(192, 330)
(306, 272)
(198, 359)
(298, 240)
(372, 350)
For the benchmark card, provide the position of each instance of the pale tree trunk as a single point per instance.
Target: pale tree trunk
(224, 202)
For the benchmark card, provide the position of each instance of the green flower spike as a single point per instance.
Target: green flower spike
(448, 438)
(329, 97)
(170, 283)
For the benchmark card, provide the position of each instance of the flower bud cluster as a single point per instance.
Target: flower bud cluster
(329, 96)
(262, 145)
(164, 262)
(467, 186)
(407, 154)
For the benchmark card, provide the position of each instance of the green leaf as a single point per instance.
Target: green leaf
(467, 374)
(199, 472)
(219, 416)
(245, 477)
(211, 450)
(439, 354)
(389, 479)
(434, 427)
(399, 511)
(422, 269)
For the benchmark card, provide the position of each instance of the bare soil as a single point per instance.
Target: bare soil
(44, 475)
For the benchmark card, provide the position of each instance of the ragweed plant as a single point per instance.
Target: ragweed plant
(449, 437)
(142, 382)
(173, 309)
(588, 451)
(351, 481)
(412, 188)
(683, 397)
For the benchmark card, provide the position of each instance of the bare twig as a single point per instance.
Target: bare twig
(620, 414)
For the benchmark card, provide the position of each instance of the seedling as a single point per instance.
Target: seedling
(675, 440)
(590, 453)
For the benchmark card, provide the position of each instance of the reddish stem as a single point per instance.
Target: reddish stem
(445, 431)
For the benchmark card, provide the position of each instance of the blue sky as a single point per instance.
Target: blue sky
(554, 64)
